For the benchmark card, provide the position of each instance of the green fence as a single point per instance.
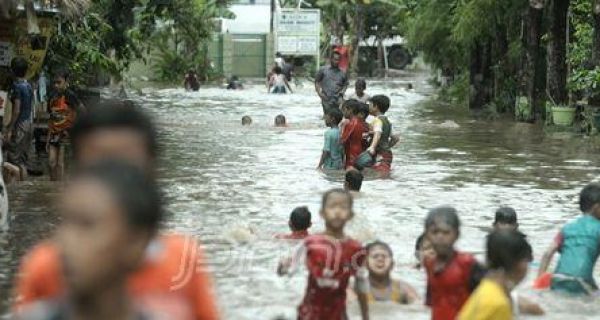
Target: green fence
(244, 55)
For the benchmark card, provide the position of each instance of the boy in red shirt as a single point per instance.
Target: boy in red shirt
(353, 132)
(331, 258)
(299, 224)
(451, 275)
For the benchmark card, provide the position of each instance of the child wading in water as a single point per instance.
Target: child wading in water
(451, 275)
(63, 108)
(299, 223)
(359, 91)
(328, 278)
(332, 157)
(508, 258)
(352, 133)
(382, 287)
(383, 140)
(579, 245)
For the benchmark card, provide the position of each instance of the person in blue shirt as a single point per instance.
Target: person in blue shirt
(18, 133)
(332, 157)
(578, 243)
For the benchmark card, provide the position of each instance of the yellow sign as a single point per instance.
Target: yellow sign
(34, 48)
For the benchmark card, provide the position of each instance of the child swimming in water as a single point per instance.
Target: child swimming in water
(359, 91)
(579, 245)
(451, 275)
(246, 120)
(506, 219)
(353, 181)
(299, 223)
(328, 278)
(423, 250)
(508, 257)
(332, 157)
(382, 287)
(280, 121)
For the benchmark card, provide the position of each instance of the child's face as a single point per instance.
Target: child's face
(372, 108)
(362, 116)
(379, 261)
(337, 211)
(359, 89)
(97, 244)
(60, 84)
(442, 237)
(426, 251)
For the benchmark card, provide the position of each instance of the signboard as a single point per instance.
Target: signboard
(298, 31)
(6, 54)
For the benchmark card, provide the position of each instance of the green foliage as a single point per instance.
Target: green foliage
(112, 33)
(583, 78)
(430, 31)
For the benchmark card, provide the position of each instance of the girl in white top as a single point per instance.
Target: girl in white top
(278, 82)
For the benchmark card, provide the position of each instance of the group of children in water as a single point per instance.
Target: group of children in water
(458, 286)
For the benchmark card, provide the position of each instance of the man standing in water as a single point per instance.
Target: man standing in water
(331, 84)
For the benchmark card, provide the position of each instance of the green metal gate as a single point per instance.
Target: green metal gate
(249, 55)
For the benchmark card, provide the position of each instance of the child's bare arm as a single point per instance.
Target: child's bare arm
(394, 139)
(375, 142)
(529, 307)
(324, 156)
(547, 257)
(361, 286)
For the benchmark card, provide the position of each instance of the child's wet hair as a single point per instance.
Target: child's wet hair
(444, 214)
(354, 179)
(379, 244)
(130, 187)
(300, 218)
(280, 120)
(327, 194)
(382, 102)
(19, 67)
(335, 115)
(361, 83)
(506, 248)
(278, 70)
(351, 105)
(506, 215)
(363, 109)
(419, 242)
(246, 120)
(589, 196)
(115, 114)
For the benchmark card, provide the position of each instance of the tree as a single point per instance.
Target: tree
(557, 52)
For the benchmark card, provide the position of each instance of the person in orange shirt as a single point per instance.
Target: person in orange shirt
(110, 212)
(63, 108)
(173, 264)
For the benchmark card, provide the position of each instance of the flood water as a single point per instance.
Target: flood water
(233, 187)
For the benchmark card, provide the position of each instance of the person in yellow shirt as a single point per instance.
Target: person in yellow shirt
(508, 258)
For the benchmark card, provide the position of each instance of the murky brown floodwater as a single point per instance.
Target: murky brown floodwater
(234, 187)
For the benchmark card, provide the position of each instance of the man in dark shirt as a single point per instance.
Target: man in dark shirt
(331, 84)
(19, 132)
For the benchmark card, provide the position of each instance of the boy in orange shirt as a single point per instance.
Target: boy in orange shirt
(173, 264)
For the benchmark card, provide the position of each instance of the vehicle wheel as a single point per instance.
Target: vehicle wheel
(398, 58)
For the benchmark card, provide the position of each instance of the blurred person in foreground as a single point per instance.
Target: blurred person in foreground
(173, 264)
(110, 212)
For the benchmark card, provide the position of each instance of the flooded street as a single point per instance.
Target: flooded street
(233, 187)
